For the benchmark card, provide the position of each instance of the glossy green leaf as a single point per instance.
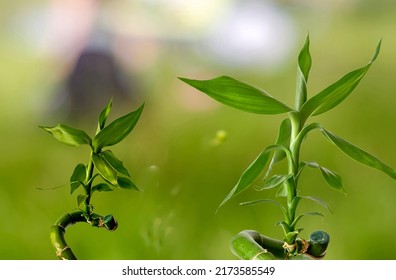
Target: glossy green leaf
(115, 162)
(68, 135)
(104, 114)
(239, 95)
(78, 177)
(358, 154)
(337, 92)
(304, 65)
(117, 130)
(106, 171)
(275, 181)
(126, 183)
(252, 172)
(102, 187)
(332, 178)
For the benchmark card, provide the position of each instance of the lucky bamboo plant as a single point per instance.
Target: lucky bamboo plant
(102, 164)
(292, 133)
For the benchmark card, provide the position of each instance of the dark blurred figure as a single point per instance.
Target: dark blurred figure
(93, 81)
(82, 44)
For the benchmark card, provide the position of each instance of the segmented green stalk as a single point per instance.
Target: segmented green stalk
(251, 245)
(58, 230)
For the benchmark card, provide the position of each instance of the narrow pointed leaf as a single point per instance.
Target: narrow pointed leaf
(106, 171)
(104, 114)
(304, 65)
(275, 181)
(253, 202)
(239, 95)
(68, 135)
(332, 178)
(102, 187)
(126, 183)
(358, 154)
(252, 172)
(305, 214)
(78, 177)
(337, 92)
(117, 130)
(115, 162)
(319, 201)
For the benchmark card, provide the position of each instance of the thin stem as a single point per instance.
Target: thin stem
(291, 184)
(90, 170)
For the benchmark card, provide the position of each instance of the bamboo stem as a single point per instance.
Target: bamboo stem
(251, 245)
(58, 230)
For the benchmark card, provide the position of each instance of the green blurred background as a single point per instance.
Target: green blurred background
(172, 153)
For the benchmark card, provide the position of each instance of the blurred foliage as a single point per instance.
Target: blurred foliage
(183, 172)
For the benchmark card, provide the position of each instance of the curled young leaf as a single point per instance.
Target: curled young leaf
(239, 95)
(334, 94)
(304, 65)
(116, 131)
(68, 135)
(104, 114)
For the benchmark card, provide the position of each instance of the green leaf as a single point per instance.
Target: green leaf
(305, 214)
(332, 178)
(282, 191)
(283, 139)
(253, 202)
(275, 181)
(304, 65)
(105, 170)
(358, 154)
(115, 162)
(333, 95)
(68, 135)
(117, 130)
(239, 95)
(126, 183)
(104, 114)
(319, 201)
(80, 199)
(102, 187)
(252, 172)
(78, 177)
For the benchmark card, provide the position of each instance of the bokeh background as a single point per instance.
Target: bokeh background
(62, 60)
